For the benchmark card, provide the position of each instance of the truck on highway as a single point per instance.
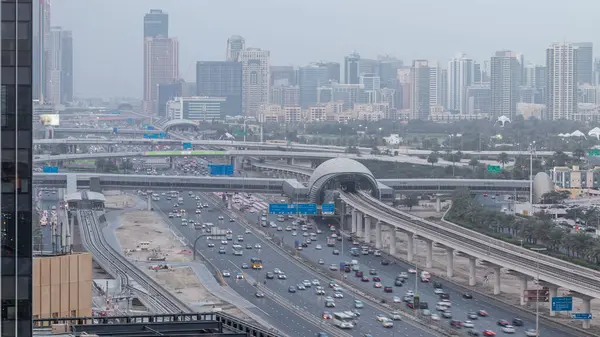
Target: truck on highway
(330, 242)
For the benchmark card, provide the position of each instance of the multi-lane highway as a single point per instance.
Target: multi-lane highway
(272, 258)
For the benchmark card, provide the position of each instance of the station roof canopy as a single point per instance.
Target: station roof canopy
(93, 196)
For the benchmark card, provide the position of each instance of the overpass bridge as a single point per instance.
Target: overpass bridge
(462, 242)
(277, 154)
(108, 131)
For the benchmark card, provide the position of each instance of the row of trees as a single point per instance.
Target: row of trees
(534, 231)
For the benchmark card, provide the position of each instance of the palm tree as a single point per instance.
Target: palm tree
(503, 159)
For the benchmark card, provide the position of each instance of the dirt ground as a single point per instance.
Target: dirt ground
(137, 226)
(510, 284)
(116, 200)
(140, 226)
(182, 280)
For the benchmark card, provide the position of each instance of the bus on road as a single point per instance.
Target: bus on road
(256, 263)
(238, 250)
(343, 320)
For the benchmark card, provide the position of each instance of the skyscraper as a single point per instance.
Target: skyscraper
(161, 65)
(53, 83)
(505, 79)
(333, 70)
(16, 187)
(221, 79)
(282, 75)
(311, 77)
(66, 79)
(41, 36)
(165, 93)
(419, 90)
(461, 73)
(371, 83)
(352, 68)
(156, 23)
(437, 85)
(561, 81)
(256, 69)
(235, 44)
(585, 62)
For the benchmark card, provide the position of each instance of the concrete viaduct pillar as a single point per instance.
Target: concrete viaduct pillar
(429, 251)
(497, 277)
(359, 223)
(367, 229)
(354, 220)
(410, 250)
(449, 262)
(392, 251)
(472, 271)
(378, 235)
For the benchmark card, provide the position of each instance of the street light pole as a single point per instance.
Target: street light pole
(537, 292)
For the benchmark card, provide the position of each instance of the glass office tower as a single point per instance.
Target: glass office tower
(16, 139)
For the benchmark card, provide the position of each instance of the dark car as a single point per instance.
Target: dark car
(365, 279)
(444, 296)
(398, 283)
(437, 285)
(388, 289)
(304, 245)
(376, 279)
(467, 296)
(503, 322)
(358, 273)
(385, 262)
(423, 305)
(517, 322)
(322, 334)
(456, 324)
(473, 333)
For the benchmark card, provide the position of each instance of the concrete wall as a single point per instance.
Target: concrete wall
(62, 286)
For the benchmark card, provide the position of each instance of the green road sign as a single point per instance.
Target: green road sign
(184, 153)
(594, 152)
(239, 133)
(494, 169)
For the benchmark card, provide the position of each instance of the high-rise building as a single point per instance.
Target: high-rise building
(286, 96)
(41, 37)
(161, 65)
(370, 83)
(437, 85)
(585, 62)
(311, 77)
(235, 44)
(156, 23)
(167, 92)
(53, 84)
(16, 188)
(419, 90)
(461, 74)
(283, 75)
(535, 77)
(66, 80)
(596, 78)
(333, 70)
(561, 81)
(368, 66)
(352, 68)
(256, 67)
(478, 99)
(505, 80)
(221, 79)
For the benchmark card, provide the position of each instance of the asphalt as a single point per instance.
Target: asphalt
(281, 318)
(460, 306)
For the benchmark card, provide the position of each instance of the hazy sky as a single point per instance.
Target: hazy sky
(108, 38)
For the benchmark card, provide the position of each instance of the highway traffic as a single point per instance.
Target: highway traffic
(306, 300)
(462, 309)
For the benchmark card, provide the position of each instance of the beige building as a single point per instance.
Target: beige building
(161, 65)
(62, 286)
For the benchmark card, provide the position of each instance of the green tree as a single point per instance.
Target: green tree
(503, 159)
(410, 202)
(578, 153)
(473, 163)
(555, 197)
(433, 158)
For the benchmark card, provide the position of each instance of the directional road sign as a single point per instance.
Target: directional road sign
(187, 146)
(494, 169)
(50, 169)
(564, 303)
(328, 209)
(220, 170)
(306, 209)
(594, 152)
(581, 315)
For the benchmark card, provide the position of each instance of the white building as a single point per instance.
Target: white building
(235, 44)
(393, 139)
(461, 74)
(438, 79)
(561, 87)
(255, 79)
(53, 83)
(203, 109)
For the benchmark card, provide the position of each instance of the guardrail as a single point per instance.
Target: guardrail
(413, 318)
(475, 244)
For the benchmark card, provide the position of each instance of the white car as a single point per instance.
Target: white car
(468, 324)
(226, 273)
(337, 288)
(435, 317)
(338, 295)
(318, 247)
(224, 242)
(397, 299)
(277, 271)
(257, 246)
(294, 233)
(531, 333)
(438, 291)
(316, 282)
(247, 231)
(220, 217)
(377, 253)
(198, 211)
(321, 261)
(409, 293)
(508, 329)
(307, 283)
(447, 303)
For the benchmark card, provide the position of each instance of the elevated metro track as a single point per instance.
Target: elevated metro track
(578, 279)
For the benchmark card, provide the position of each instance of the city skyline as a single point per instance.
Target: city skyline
(286, 44)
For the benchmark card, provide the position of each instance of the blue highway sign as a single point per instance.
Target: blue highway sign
(564, 303)
(307, 209)
(187, 146)
(328, 209)
(50, 169)
(581, 315)
(220, 170)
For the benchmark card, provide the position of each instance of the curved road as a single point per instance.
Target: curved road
(272, 258)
